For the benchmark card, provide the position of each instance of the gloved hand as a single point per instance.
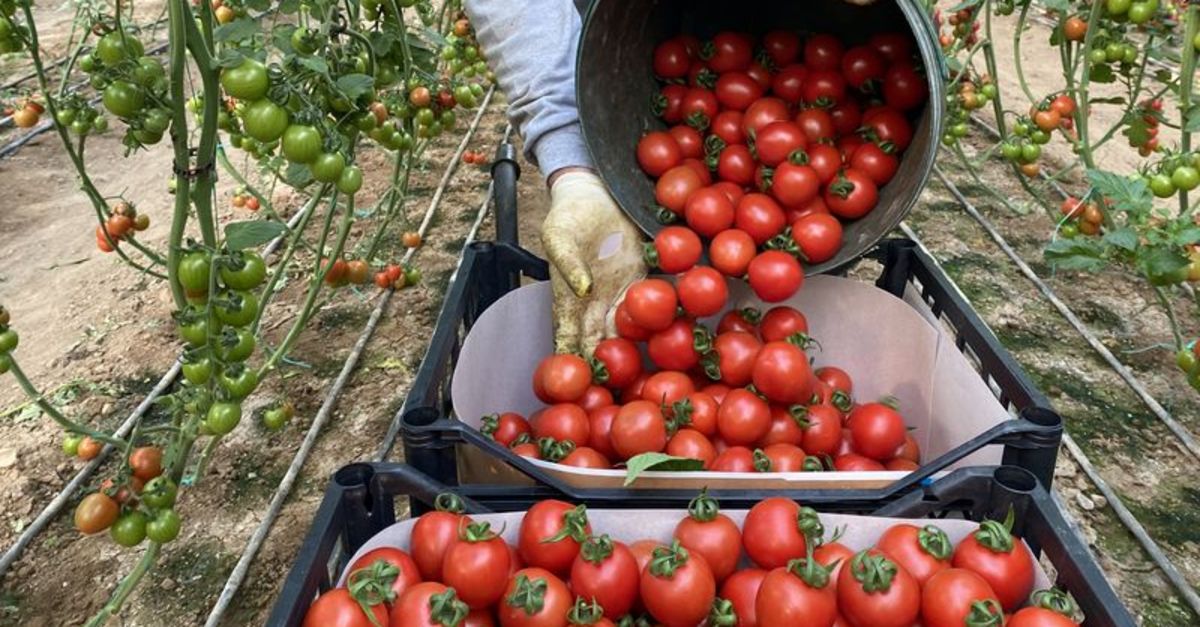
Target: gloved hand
(595, 252)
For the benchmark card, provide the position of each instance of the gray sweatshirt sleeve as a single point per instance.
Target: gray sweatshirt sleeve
(531, 46)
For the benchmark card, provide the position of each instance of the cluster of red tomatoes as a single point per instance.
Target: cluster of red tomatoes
(122, 222)
(744, 399)
(775, 153)
(563, 573)
(1151, 114)
(243, 200)
(341, 273)
(475, 157)
(963, 27)
(1086, 218)
(139, 507)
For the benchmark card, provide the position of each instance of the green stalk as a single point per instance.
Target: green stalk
(206, 174)
(1165, 301)
(177, 13)
(297, 237)
(1083, 104)
(127, 586)
(50, 410)
(1017, 32)
(1187, 77)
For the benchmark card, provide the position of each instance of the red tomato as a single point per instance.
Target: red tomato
(622, 363)
(667, 387)
(505, 428)
(837, 379)
(432, 535)
(762, 113)
(816, 205)
(728, 127)
(702, 292)
(872, 590)
(600, 427)
(853, 462)
(692, 444)
(658, 152)
(677, 587)
(709, 211)
(863, 65)
(676, 249)
(595, 397)
(833, 554)
(699, 107)
(561, 378)
(676, 186)
(781, 457)
(953, 594)
(689, 140)
(336, 608)
(477, 566)
(732, 251)
(903, 87)
(416, 606)
(1001, 559)
(823, 52)
(527, 449)
(668, 105)
(823, 435)
(878, 164)
(408, 576)
(673, 348)
(777, 141)
(824, 88)
(760, 73)
(782, 374)
(876, 430)
(788, 84)
(796, 595)
(783, 47)
(711, 535)
(732, 191)
(586, 457)
(741, 590)
(607, 572)
(730, 52)
(736, 165)
(825, 160)
(745, 320)
(794, 185)
(702, 412)
(651, 304)
(775, 276)
(852, 196)
(1039, 617)
(626, 327)
(923, 551)
(700, 76)
(638, 428)
(479, 618)
(819, 237)
(893, 46)
(737, 90)
(545, 600)
(671, 59)
(734, 459)
(772, 533)
(889, 125)
(564, 421)
(760, 217)
(817, 125)
(743, 418)
(785, 427)
(736, 354)
(1064, 105)
(550, 534)
(846, 116)
(782, 322)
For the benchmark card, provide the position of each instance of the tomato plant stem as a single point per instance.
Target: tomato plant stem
(281, 271)
(205, 172)
(1165, 301)
(50, 410)
(127, 586)
(1017, 65)
(1084, 103)
(1187, 79)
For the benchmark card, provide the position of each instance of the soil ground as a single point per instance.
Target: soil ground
(96, 336)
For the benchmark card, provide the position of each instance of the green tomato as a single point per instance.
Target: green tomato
(1021, 129)
(265, 121)
(100, 124)
(480, 68)
(1039, 137)
(1097, 56)
(470, 53)
(1186, 178)
(988, 91)
(959, 130)
(130, 529)
(350, 181)
(236, 308)
(244, 270)
(116, 47)
(328, 167)
(465, 97)
(1114, 52)
(1069, 230)
(197, 370)
(1030, 153)
(1186, 360)
(412, 275)
(235, 345)
(448, 119)
(123, 99)
(8, 340)
(1140, 12)
(1118, 7)
(147, 137)
(385, 76)
(1011, 151)
(5, 363)
(425, 116)
(1162, 186)
(223, 417)
(156, 120)
(65, 117)
(276, 417)
(194, 271)
(246, 81)
(70, 444)
(1130, 54)
(89, 63)
(301, 144)
(164, 527)
(193, 327)
(305, 41)
(1174, 277)
(365, 122)
(1196, 42)
(148, 71)
(160, 492)
(238, 381)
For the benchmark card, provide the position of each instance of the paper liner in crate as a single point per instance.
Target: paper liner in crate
(859, 532)
(887, 345)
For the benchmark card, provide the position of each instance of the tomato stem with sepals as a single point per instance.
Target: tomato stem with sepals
(448, 502)
(996, 535)
(935, 542)
(529, 595)
(723, 614)
(1056, 600)
(874, 572)
(664, 561)
(596, 549)
(574, 525)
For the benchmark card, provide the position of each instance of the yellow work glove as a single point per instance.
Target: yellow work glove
(595, 252)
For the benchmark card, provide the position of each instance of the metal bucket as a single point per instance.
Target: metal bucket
(615, 85)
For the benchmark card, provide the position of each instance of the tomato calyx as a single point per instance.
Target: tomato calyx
(448, 502)
(723, 614)
(574, 525)
(935, 542)
(704, 508)
(664, 215)
(985, 613)
(997, 536)
(372, 585)
(1056, 601)
(802, 340)
(813, 463)
(713, 145)
(595, 549)
(751, 315)
(711, 363)
(702, 339)
(873, 572)
(842, 401)
(528, 595)
(698, 120)
(553, 450)
(809, 524)
(445, 609)
(584, 613)
(489, 425)
(664, 561)
(650, 255)
(810, 571)
(761, 462)
(842, 187)
(786, 243)
(681, 414)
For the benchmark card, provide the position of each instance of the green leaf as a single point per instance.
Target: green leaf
(1127, 194)
(1160, 261)
(1138, 131)
(1076, 254)
(356, 85)
(237, 30)
(281, 36)
(1103, 74)
(289, 6)
(316, 64)
(1188, 235)
(1193, 120)
(1125, 238)
(297, 175)
(230, 57)
(1056, 5)
(658, 461)
(258, 5)
(251, 233)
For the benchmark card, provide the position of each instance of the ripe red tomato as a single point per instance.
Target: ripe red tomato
(823, 435)
(709, 211)
(673, 348)
(760, 73)
(817, 125)
(782, 46)
(876, 430)
(506, 427)
(638, 428)
(782, 457)
(1034, 616)
(922, 551)
(731, 52)
(825, 160)
(740, 320)
(477, 566)
(824, 88)
(561, 378)
(737, 90)
(677, 249)
(953, 594)
(668, 105)
(833, 554)
(889, 125)
(775, 276)
(432, 535)
(777, 141)
(671, 59)
(794, 185)
(1001, 559)
(893, 46)
(702, 292)
(564, 421)
(816, 205)
(760, 217)
(823, 52)
(743, 418)
(788, 84)
(699, 107)
(728, 126)
(736, 353)
(734, 459)
(595, 397)
(853, 462)
(903, 87)
(527, 449)
(785, 428)
(782, 373)
(600, 428)
(651, 304)
(658, 152)
(692, 444)
(621, 360)
(772, 534)
(626, 327)
(872, 590)
(732, 191)
(762, 113)
(586, 457)
(550, 534)
(741, 590)
(863, 65)
(408, 576)
(535, 597)
(607, 572)
(736, 165)
(731, 252)
(782, 322)
(1063, 104)
(878, 164)
(794, 595)
(336, 608)
(852, 195)
(837, 379)
(711, 535)
(819, 236)
(677, 587)
(667, 387)
(675, 187)
(846, 116)
(691, 143)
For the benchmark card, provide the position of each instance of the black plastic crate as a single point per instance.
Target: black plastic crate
(362, 500)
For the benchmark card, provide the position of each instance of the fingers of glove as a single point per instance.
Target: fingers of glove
(566, 255)
(568, 311)
(594, 324)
